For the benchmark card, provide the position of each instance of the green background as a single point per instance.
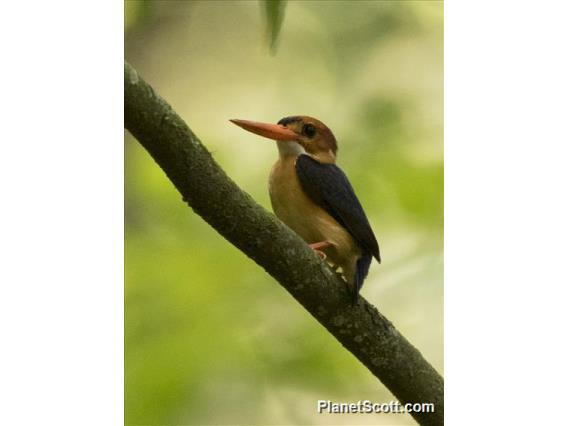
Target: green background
(210, 338)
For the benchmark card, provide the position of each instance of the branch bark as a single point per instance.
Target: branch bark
(206, 188)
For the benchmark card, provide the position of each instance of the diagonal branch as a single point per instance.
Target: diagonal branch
(236, 216)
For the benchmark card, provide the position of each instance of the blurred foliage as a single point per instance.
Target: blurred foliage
(210, 338)
(274, 10)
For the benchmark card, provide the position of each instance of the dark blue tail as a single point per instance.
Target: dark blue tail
(363, 265)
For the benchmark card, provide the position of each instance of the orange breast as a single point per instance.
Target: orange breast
(307, 219)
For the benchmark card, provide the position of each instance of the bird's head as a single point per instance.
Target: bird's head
(297, 134)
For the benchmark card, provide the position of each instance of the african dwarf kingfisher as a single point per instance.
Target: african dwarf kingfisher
(311, 195)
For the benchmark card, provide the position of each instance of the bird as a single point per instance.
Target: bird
(314, 197)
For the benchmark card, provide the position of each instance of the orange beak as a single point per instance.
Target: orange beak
(271, 131)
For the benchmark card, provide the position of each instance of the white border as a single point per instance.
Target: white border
(506, 142)
(61, 177)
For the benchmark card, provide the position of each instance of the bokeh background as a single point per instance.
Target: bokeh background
(210, 338)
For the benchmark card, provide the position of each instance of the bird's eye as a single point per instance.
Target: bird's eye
(309, 130)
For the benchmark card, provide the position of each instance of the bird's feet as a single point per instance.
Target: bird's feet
(318, 246)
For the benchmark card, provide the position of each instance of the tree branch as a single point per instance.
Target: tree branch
(260, 235)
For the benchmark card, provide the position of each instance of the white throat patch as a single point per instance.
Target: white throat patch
(286, 148)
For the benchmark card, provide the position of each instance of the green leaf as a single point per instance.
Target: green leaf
(274, 12)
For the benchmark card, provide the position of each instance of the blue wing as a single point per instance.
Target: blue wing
(328, 187)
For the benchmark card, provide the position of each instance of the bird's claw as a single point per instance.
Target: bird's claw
(321, 254)
(318, 246)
